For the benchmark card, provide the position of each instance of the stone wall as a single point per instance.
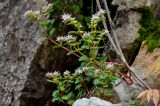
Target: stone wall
(18, 45)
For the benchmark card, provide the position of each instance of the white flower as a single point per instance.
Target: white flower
(85, 68)
(51, 74)
(61, 38)
(106, 31)
(45, 8)
(94, 17)
(110, 65)
(70, 37)
(56, 73)
(27, 12)
(79, 71)
(66, 17)
(36, 12)
(97, 15)
(97, 70)
(66, 38)
(66, 72)
(31, 13)
(100, 12)
(85, 34)
(49, 5)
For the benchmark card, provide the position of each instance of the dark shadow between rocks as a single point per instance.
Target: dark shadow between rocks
(37, 91)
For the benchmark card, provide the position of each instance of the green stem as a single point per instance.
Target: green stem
(92, 11)
(79, 51)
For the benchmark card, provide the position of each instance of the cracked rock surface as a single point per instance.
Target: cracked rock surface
(18, 46)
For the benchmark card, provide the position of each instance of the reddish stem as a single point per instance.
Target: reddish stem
(126, 78)
(90, 92)
(85, 86)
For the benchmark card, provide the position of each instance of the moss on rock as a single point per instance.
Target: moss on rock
(150, 29)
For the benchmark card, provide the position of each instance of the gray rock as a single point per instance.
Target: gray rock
(128, 31)
(127, 4)
(127, 27)
(127, 23)
(128, 93)
(18, 45)
(93, 101)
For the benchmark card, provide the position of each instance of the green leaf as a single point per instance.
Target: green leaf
(50, 81)
(108, 94)
(95, 52)
(54, 99)
(98, 91)
(83, 64)
(79, 79)
(73, 32)
(78, 86)
(103, 76)
(80, 3)
(46, 24)
(87, 20)
(83, 58)
(55, 93)
(68, 96)
(81, 93)
(76, 8)
(70, 101)
(62, 86)
(96, 82)
(102, 59)
(56, 46)
(85, 47)
(69, 1)
(90, 73)
(51, 32)
(73, 51)
(65, 97)
(105, 86)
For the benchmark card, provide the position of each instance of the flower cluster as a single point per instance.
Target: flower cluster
(81, 70)
(97, 15)
(71, 20)
(46, 8)
(86, 34)
(32, 14)
(98, 70)
(66, 38)
(52, 74)
(85, 68)
(100, 12)
(66, 17)
(109, 66)
(66, 72)
(106, 31)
